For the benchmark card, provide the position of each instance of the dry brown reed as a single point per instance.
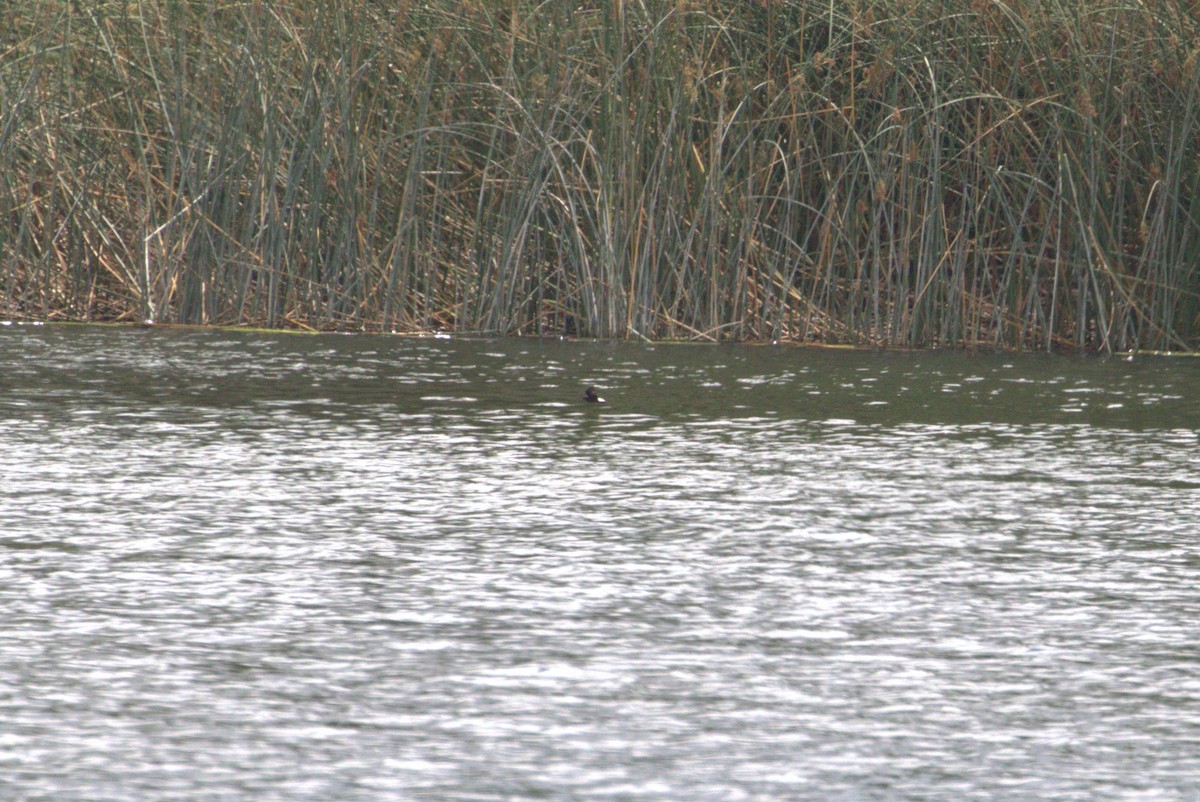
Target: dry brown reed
(1017, 174)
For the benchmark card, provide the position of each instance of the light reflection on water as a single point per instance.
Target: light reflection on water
(315, 568)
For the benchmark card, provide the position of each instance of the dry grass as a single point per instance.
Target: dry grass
(1016, 174)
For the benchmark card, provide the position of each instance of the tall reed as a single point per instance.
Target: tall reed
(879, 172)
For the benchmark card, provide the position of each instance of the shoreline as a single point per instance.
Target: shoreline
(483, 335)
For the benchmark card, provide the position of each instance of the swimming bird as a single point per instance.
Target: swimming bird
(590, 396)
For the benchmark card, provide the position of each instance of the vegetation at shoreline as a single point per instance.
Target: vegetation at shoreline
(1017, 174)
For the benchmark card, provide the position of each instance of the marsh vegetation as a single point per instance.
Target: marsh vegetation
(1011, 174)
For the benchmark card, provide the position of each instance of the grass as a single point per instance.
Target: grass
(1003, 174)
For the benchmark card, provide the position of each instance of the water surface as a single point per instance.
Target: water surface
(281, 567)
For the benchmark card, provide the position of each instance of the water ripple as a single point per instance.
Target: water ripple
(292, 568)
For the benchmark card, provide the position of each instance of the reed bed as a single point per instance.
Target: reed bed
(1017, 174)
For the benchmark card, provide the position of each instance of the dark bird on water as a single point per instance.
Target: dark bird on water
(590, 396)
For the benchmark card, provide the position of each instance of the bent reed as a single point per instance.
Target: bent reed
(1017, 174)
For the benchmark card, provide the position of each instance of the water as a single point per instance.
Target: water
(281, 567)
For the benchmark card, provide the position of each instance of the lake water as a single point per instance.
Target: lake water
(281, 567)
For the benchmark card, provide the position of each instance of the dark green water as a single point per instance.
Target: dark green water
(283, 567)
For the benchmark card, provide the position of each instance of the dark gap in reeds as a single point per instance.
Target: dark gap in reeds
(1012, 175)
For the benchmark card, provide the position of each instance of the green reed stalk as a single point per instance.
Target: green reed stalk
(1016, 175)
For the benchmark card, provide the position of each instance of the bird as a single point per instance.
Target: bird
(590, 396)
